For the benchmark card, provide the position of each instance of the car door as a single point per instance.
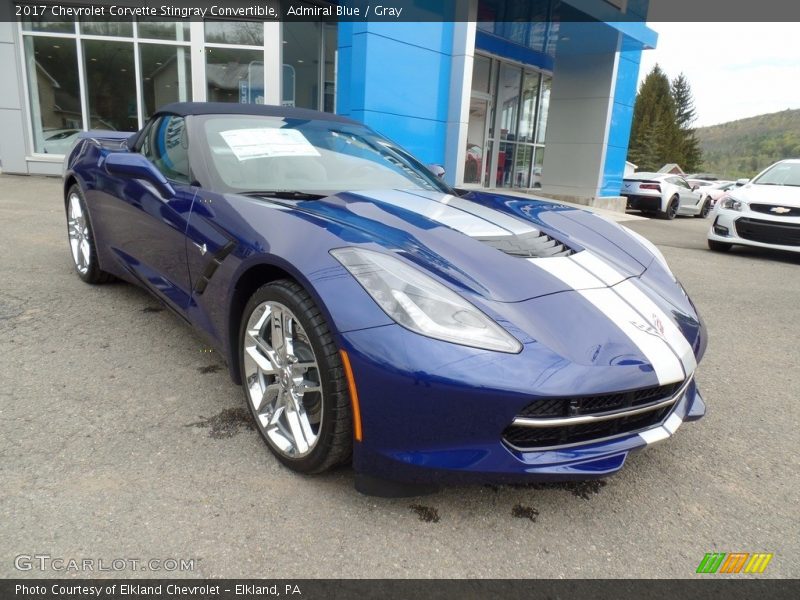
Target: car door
(688, 196)
(152, 223)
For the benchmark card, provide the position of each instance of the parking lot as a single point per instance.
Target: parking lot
(122, 437)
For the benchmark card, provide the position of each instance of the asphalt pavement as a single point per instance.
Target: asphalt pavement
(123, 438)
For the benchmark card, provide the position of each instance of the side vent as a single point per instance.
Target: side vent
(533, 244)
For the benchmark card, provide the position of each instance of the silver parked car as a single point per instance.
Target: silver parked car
(664, 195)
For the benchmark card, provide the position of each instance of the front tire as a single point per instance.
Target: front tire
(672, 209)
(719, 246)
(293, 379)
(705, 210)
(81, 239)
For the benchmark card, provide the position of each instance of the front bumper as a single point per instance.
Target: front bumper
(751, 228)
(448, 428)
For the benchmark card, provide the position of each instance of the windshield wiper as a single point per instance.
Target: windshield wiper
(284, 194)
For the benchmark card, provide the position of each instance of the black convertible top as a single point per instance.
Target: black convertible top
(229, 108)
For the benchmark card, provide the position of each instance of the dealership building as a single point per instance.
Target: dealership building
(502, 93)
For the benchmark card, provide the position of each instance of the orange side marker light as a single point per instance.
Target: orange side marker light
(351, 387)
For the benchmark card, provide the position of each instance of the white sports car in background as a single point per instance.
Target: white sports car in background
(764, 212)
(665, 195)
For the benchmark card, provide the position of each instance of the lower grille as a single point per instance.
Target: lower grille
(555, 422)
(768, 232)
(600, 403)
(537, 438)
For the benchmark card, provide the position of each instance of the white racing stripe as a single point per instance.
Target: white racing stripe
(568, 271)
(666, 365)
(662, 432)
(592, 277)
(650, 310)
(500, 219)
(464, 222)
(598, 267)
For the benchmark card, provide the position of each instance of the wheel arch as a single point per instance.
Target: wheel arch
(267, 270)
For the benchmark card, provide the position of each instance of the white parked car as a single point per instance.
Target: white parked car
(665, 195)
(764, 212)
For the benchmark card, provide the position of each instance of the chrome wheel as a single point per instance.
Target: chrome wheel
(78, 231)
(282, 380)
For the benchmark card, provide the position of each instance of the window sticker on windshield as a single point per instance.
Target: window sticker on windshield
(268, 142)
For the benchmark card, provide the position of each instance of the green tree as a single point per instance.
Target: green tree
(655, 135)
(689, 155)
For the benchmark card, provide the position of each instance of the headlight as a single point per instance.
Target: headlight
(422, 304)
(733, 204)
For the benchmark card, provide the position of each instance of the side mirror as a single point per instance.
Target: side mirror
(135, 166)
(437, 170)
(741, 182)
(695, 187)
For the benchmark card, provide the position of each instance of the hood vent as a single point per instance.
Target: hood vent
(533, 244)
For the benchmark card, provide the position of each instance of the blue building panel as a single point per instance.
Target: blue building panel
(621, 120)
(498, 46)
(395, 77)
(424, 138)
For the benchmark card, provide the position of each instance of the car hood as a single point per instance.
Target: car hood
(502, 248)
(768, 194)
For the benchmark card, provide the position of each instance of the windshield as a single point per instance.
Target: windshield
(780, 174)
(256, 153)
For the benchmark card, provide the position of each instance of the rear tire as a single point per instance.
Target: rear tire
(672, 209)
(705, 210)
(719, 246)
(293, 379)
(81, 239)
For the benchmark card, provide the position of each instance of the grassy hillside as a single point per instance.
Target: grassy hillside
(742, 148)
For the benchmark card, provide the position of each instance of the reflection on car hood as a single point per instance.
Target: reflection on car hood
(768, 194)
(503, 248)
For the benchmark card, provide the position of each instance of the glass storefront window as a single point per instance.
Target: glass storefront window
(481, 69)
(476, 140)
(330, 31)
(541, 126)
(506, 126)
(247, 33)
(235, 75)
(156, 30)
(115, 29)
(530, 94)
(110, 85)
(301, 52)
(54, 90)
(508, 100)
(166, 75)
(48, 23)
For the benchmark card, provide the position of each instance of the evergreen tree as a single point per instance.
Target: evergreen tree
(689, 156)
(655, 135)
(684, 103)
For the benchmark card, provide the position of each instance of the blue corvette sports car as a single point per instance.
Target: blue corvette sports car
(372, 313)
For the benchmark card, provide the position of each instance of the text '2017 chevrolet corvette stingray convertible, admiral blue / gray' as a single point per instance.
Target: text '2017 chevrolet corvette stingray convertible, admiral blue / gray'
(374, 314)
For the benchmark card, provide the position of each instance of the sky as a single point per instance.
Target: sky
(735, 70)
